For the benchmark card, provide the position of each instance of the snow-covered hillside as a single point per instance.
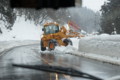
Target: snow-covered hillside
(22, 30)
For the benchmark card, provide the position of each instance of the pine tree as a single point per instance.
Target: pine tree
(111, 16)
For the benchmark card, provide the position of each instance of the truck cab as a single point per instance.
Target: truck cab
(51, 29)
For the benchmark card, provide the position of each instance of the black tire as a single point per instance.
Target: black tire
(51, 48)
(68, 42)
(42, 48)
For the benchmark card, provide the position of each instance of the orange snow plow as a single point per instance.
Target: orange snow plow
(54, 35)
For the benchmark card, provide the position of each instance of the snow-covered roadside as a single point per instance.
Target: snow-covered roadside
(75, 42)
(5, 45)
(107, 45)
(105, 48)
(22, 33)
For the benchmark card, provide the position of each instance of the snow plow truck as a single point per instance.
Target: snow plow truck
(54, 35)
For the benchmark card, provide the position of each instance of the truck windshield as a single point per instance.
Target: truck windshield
(51, 29)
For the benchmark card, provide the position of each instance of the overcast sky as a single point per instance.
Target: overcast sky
(93, 4)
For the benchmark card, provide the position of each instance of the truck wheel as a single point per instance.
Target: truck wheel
(42, 48)
(68, 42)
(51, 46)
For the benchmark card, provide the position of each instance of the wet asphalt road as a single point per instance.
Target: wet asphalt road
(32, 55)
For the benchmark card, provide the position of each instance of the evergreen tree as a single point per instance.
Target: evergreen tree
(111, 16)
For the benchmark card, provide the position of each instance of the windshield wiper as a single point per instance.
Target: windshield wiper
(59, 70)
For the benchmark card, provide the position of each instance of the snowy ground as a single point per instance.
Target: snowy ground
(22, 30)
(104, 44)
(103, 47)
(22, 33)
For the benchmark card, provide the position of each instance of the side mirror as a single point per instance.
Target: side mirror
(42, 29)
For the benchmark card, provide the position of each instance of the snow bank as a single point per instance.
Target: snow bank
(75, 42)
(104, 44)
(60, 50)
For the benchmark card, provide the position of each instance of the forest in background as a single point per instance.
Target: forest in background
(106, 22)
